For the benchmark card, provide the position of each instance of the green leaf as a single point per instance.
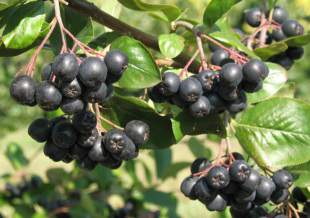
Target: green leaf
(272, 3)
(24, 25)
(171, 45)
(198, 149)
(183, 124)
(272, 84)
(216, 9)
(301, 174)
(142, 71)
(4, 4)
(298, 41)
(121, 110)
(276, 132)
(57, 176)
(171, 12)
(174, 169)
(163, 160)
(228, 36)
(16, 156)
(271, 50)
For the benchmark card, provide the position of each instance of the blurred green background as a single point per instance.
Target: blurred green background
(167, 198)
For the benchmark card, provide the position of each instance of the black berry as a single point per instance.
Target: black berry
(254, 71)
(278, 35)
(279, 14)
(54, 152)
(279, 196)
(48, 96)
(220, 57)
(282, 179)
(199, 165)
(97, 96)
(138, 131)
(71, 89)
(292, 28)
(200, 108)
(219, 203)
(92, 72)
(65, 67)
(23, 90)
(190, 89)
(64, 135)
(88, 140)
(252, 182)
(46, 72)
(253, 17)
(39, 130)
(116, 62)
(72, 106)
(265, 188)
(187, 187)
(231, 75)
(239, 171)
(295, 53)
(84, 122)
(170, 84)
(218, 178)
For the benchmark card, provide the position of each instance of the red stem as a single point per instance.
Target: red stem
(185, 69)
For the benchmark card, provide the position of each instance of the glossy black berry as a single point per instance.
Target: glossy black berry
(279, 196)
(115, 141)
(138, 131)
(219, 203)
(155, 95)
(72, 106)
(218, 178)
(71, 89)
(190, 89)
(97, 96)
(129, 150)
(64, 135)
(87, 163)
(244, 196)
(278, 35)
(88, 140)
(251, 87)
(200, 108)
(217, 104)
(48, 96)
(283, 60)
(203, 192)
(228, 93)
(207, 79)
(178, 101)
(67, 159)
(279, 14)
(200, 164)
(252, 182)
(79, 153)
(237, 156)
(232, 188)
(97, 152)
(46, 72)
(35, 181)
(54, 152)
(92, 72)
(231, 75)
(116, 62)
(187, 187)
(170, 84)
(292, 28)
(239, 171)
(282, 179)
(254, 71)
(23, 90)
(237, 105)
(220, 57)
(65, 67)
(39, 130)
(295, 53)
(253, 17)
(84, 122)
(265, 188)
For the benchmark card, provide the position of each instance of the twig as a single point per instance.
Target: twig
(111, 123)
(185, 69)
(61, 25)
(295, 211)
(203, 60)
(97, 112)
